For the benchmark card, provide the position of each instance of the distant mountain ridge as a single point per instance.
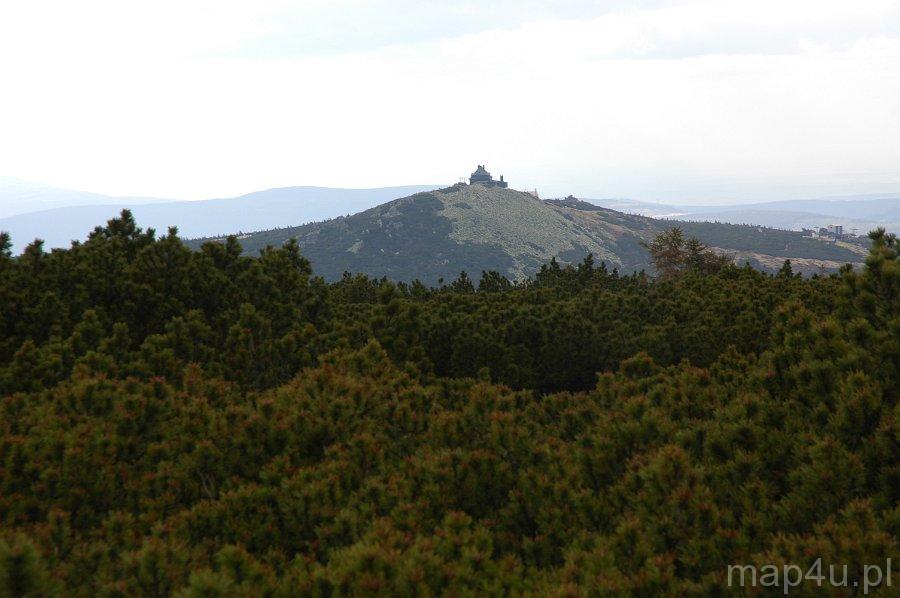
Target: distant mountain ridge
(433, 235)
(59, 216)
(253, 211)
(22, 197)
(864, 213)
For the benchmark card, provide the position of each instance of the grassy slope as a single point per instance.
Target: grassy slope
(435, 235)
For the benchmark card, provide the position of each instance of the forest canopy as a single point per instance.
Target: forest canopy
(203, 423)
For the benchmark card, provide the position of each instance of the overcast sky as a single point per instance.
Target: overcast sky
(708, 101)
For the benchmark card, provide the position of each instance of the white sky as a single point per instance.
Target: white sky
(707, 101)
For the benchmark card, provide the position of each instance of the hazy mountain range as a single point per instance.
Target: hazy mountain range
(20, 197)
(59, 226)
(434, 235)
(860, 212)
(58, 216)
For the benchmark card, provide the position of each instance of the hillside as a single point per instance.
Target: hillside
(765, 248)
(434, 235)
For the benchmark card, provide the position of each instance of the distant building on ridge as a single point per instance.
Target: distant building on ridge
(483, 177)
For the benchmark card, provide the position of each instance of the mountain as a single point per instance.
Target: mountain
(860, 212)
(59, 216)
(436, 234)
(884, 207)
(254, 211)
(20, 197)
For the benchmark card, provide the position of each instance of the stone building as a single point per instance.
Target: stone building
(483, 177)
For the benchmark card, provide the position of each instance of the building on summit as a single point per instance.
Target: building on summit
(483, 177)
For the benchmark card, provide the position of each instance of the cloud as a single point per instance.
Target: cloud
(294, 30)
(664, 100)
(610, 29)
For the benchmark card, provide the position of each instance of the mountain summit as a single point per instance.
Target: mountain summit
(436, 234)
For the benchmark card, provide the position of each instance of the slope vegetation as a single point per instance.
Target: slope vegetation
(434, 235)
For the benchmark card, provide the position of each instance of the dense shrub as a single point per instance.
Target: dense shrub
(201, 423)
